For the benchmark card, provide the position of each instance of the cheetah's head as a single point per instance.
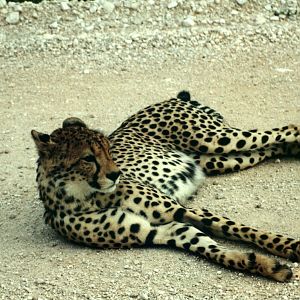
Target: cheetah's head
(75, 161)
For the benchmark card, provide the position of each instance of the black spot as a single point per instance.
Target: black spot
(220, 165)
(230, 223)
(203, 149)
(201, 249)
(239, 160)
(77, 226)
(264, 139)
(181, 230)
(178, 215)
(103, 218)
(208, 214)
(209, 165)
(112, 234)
(240, 144)
(156, 214)
(150, 237)
(124, 240)
(69, 199)
(167, 204)
(246, 134)
(195, 143)
(219, 150)
(245, 229)
(194, 241)
(121, 219)
(186, 134)
(121, 230)
(264, 237)
(135, 228)
(171, 243)
(206, 222)
(237, 167)
(215, 250)
(106, 226)
(224, 141)
(186, 246)
(225, 228)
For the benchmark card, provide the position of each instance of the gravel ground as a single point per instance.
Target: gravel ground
(102, 61)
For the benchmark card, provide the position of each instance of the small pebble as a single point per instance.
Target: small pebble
(64, 6)
(188, 22)
(241, 2)
(274, 18)
(13, 18)
(2, 3)
(108, 7)
(54, 25)
(172, 4)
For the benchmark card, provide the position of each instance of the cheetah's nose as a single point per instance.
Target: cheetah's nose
(113, 176)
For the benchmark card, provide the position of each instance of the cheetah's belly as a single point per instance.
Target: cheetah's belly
(172, 172)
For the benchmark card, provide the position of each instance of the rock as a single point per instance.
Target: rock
(2, 3)
(241, 2)
(260, 19)
(274, 18)
(132, 4)
(93, 8)
(54, 25)
(18, 8)
(172, 4)
(108, 6)
(188, 22)
(64, 6)
(13, 17)
(89, 28)
(268, 7)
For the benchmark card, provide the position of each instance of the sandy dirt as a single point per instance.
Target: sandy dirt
(257, 88)
(37, 264)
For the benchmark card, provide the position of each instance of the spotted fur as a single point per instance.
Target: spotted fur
(129, 189)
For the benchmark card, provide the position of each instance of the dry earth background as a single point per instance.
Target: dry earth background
(102, 61)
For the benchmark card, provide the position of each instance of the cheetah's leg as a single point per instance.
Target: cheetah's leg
(115, 228)
(232, 140)
(213, 164)
(190, 238)
(223, 227)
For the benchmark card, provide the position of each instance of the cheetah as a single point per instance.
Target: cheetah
(130, 188)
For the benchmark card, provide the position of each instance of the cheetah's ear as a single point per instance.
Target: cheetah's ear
(73, 122)
(43, 142)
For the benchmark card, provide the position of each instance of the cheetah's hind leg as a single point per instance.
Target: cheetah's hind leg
(214, 164)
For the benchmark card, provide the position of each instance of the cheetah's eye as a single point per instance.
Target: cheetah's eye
(89, 158)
